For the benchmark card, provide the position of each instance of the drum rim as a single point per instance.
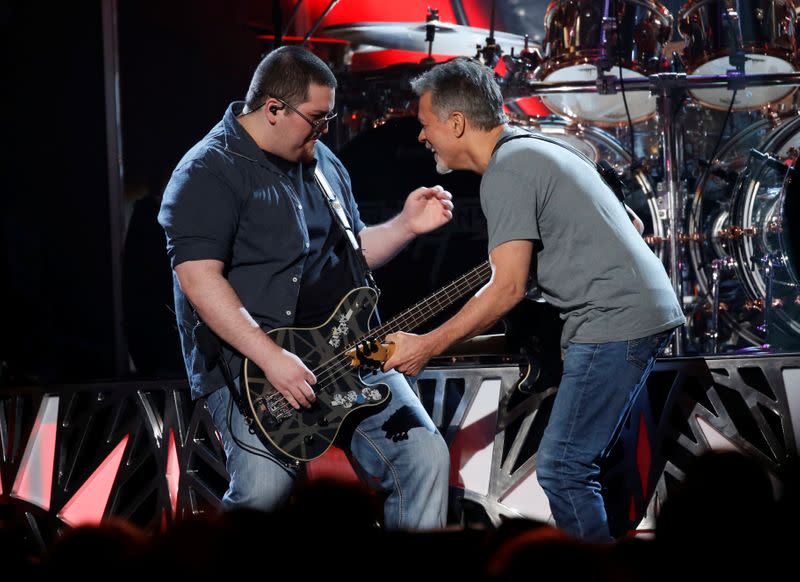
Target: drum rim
(653, 5)
(590, 56)
(583, 120)
(744, 192)
(781, 54)
(695, 214)
(692, 5)
(697, 234)
(754, 107)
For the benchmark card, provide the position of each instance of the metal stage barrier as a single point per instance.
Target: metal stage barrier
(144, 452)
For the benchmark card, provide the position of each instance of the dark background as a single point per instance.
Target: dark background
(180, 62)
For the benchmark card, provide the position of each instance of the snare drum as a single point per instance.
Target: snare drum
(768, 29)
(573, 47)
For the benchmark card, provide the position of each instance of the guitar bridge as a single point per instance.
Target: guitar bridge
(277, 409)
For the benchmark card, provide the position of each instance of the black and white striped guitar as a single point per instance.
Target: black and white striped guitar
(338, 351)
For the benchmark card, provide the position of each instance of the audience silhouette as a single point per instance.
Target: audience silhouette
(726, 518)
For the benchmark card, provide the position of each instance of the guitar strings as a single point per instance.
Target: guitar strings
(335, 368)
(471, 279)
(435, 305)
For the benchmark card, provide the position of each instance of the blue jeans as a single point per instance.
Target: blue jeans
(598, 387)
(407, 459)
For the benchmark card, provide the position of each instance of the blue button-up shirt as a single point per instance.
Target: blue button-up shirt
(226, 201)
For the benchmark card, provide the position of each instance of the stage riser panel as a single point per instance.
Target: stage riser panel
(144, 452)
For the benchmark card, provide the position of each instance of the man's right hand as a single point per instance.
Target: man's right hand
(289, 375)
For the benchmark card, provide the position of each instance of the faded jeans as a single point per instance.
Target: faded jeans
(598, 387)
(411, 468)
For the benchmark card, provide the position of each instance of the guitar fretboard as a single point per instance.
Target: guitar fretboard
(436, 303)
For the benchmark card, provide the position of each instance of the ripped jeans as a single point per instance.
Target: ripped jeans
(412, 468)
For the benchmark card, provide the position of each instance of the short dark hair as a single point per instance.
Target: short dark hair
(464, 85)
(287, 72)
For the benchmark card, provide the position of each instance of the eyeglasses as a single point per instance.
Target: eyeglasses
(318, 125)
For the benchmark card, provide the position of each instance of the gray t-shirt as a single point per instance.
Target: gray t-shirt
(590, 263)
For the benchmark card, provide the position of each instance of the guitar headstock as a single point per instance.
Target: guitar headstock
(370, 353)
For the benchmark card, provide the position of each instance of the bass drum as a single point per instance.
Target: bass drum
(742, 218)
(599, 145)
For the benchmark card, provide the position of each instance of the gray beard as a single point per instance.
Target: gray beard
(442, 169)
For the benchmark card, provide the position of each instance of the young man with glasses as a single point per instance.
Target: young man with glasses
(254, 245)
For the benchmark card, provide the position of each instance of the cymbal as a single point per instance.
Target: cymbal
(450, 39)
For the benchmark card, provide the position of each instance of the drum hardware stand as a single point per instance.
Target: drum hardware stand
(606, 84)
(738, 56)
(767, 159)
(606, 61)
(292, 16)
(675, 202)
(717, 266)
(316, 25)
(520, 67)
(430, 33)
(768, 264)
(491, 52)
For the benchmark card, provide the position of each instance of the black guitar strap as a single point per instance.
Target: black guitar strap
(606, 170)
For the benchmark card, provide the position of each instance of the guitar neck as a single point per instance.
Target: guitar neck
(421, 312)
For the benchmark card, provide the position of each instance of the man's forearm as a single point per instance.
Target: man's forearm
(221, 309)
(383, 241)
(481, 312)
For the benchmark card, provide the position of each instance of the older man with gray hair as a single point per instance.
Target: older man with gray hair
(550, 214)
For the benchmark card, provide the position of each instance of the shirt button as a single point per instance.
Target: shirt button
(288, 312)
(299, 206)
(294, 279)
(308, 245)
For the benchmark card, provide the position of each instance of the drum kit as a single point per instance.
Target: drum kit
(707, 137)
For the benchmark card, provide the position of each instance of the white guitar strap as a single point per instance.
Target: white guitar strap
(336, 208)
(341, 217)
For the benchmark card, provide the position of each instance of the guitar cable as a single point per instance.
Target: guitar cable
(722, 131)
(287, 465)
(237, 396)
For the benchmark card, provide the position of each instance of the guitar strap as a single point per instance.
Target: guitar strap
(340, 218)
(606, 170)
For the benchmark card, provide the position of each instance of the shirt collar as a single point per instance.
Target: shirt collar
(239, 142)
